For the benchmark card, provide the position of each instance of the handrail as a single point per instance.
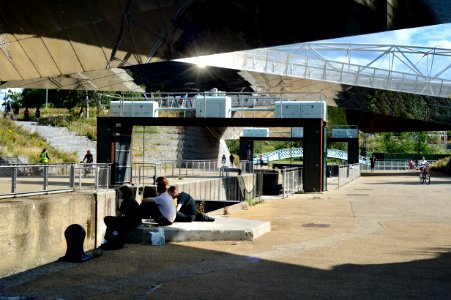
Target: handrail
(299, 152)
(33, 179)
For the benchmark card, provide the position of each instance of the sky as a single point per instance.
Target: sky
(431, 36)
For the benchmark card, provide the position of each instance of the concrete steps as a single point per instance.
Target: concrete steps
(62, 138)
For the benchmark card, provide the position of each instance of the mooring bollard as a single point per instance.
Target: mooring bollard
(75, 235)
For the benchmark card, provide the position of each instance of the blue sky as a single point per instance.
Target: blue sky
(431, 36)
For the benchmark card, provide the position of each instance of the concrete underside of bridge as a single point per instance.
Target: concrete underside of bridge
(47, 39)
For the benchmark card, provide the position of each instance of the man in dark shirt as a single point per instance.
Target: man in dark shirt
(186, 207)
(88, 157)
(118, 226)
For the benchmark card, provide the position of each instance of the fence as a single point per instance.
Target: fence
(387, 165)
(291, 181)
(145, 173)
(347, 174)
(286, 181)
(33, 179)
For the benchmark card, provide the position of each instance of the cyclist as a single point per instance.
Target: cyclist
(424, 167)
(89, 160)
(88, 157)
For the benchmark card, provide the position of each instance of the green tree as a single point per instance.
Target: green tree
(57, 98)
(421, 143)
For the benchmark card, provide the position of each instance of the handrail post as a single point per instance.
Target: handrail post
(72, 176)
(14, 181)
(46, 178)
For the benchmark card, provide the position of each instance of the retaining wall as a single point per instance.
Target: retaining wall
(32, 228)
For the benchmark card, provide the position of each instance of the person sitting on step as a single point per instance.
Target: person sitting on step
(186, 207)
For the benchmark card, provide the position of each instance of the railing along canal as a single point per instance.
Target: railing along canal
(347, 174)
(34, 179)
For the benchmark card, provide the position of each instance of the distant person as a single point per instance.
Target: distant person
(88, 157)
(37, 114)
(186, 207)
(411, 164)
(8, 107)
(372, 162)
(261, 161)
(118, 226)
(26, 114)
(223, 160)
(44, 157)
(232, 160)
(16, 112)
(160, 208)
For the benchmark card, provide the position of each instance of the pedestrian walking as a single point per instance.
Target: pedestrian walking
(372, 162)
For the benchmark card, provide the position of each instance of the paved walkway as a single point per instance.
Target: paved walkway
(380, 237)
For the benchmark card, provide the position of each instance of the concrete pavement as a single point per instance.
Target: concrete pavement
(378, 237)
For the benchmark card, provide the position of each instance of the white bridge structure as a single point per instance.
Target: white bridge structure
(285, 153)
(409, 69)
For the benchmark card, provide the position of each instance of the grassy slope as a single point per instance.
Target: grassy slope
(17, 142)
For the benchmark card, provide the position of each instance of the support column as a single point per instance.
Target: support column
(313, 169)
(114, 142)
(353, 151)
(247, 150)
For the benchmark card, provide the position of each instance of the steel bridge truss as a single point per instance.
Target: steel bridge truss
(409, 69)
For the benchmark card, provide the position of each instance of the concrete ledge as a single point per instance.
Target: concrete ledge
(222, 229)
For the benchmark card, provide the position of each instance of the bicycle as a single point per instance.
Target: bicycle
(425, 177)
(86, 169)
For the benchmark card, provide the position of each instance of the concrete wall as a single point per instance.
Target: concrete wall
(32, 228)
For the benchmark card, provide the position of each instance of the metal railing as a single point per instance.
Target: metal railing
(291, 181)
(34, 179)
(145, 173)
(387, 165)
(347, 174)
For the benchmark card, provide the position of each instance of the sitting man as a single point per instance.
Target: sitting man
(118, 226)
(160, 208)
(186, 207)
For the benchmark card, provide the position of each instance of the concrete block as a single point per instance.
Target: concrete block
(222, 229)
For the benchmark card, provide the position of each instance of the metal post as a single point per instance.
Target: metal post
(97, 178)
(87, 107)
(72, 176)
(14, 181)
(283, 182)
(46, 178)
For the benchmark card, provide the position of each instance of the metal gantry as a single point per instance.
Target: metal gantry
(409, 69)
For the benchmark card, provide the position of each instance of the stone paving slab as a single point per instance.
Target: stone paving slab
(222, 229)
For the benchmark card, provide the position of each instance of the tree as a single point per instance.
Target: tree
(421, 143)
(15, 98)
(57, 98)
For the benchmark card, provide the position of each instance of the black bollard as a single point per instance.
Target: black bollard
(75, 235)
